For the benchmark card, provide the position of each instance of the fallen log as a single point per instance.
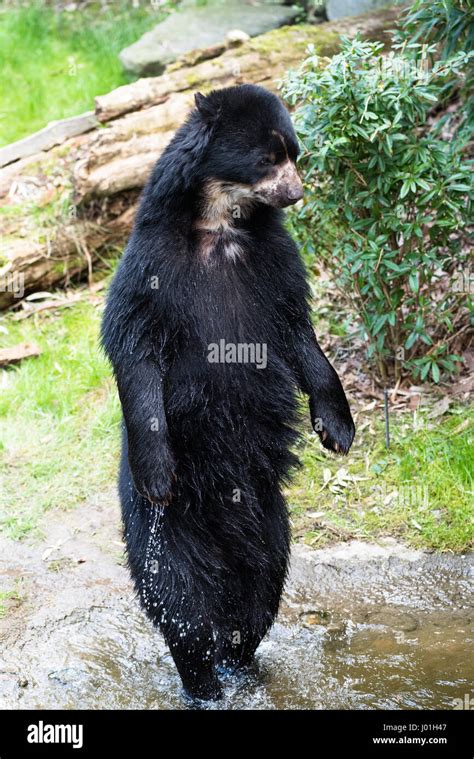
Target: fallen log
(68, 207)
(121, 156)
(17, 353)
(63, 252)
(53, 134)
(56, 303)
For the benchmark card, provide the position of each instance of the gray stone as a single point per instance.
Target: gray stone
(200, 27)
(312, 617)
(340, 8)
(396, 619)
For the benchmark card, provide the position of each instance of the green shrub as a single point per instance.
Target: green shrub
(387, 201)
(447, 22)
(448, 27)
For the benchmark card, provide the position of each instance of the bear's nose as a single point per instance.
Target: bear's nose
(293, 188)
(295, 192)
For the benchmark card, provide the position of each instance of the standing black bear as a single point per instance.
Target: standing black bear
(208, 331)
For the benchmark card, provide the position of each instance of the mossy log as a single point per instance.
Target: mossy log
(66, 207)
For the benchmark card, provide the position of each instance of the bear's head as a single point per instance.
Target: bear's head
(251, 148)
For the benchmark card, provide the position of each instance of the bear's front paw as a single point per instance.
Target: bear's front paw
(155, 492)
(154, 477)
(334, 425)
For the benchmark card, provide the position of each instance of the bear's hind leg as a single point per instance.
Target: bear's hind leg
(192, 647)
(170, 590)
(251, 606)
(178, 605)
(236, 648)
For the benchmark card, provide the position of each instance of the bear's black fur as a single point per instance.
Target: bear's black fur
(208, 441)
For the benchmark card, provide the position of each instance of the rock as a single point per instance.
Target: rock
(236, 37)
(395, 619)
(340, 8)
(312, 617)
(336, 627)
(200, 27)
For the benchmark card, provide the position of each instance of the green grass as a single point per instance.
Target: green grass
(59, 441)
(59, 417)
(420, 490)
(54, 63)
(8, 598)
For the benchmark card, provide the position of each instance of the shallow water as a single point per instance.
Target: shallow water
(386, 633)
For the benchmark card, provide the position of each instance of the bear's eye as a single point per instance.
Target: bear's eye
(267, 161)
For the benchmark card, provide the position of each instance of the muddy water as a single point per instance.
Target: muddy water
(115, 661)
(360, 627)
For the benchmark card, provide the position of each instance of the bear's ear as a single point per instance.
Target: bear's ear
(206, 107)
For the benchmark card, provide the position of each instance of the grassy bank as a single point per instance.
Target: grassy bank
(420, 490)
(56, 62)
(59, 418)
(59, 440)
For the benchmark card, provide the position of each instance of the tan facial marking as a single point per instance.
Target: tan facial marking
(220, 201)
(278, 188)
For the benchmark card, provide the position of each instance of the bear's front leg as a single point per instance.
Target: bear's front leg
(152, 465)
(330, 413)
(150, 456)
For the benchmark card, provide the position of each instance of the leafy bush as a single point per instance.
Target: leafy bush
(448, 22)
(448, 27)
(387, 201)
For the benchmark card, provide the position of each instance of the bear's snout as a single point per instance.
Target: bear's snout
(282, 188)
(293, 193)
